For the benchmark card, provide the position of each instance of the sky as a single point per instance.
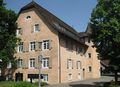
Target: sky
(75, 13)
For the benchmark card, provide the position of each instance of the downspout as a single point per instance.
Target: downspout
(59, 60)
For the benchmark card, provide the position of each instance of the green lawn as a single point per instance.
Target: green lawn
(18, 84)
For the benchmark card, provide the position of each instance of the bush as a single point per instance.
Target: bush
(111, 84)
(23, 84)
(42, 84)
(2, 78)
(20, 84)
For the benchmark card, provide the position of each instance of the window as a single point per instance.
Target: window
(36, 28)
(28, 17)
(9, 65)
(45, 62)
(32, 46)
(32, 63)
(89, 69)
(20, 47)
(18, 31)
(46, 44)
(0, 72)
(45, 77)
(19, 63)
(70, 76)
(89, 55)
(79, 76)
(78, 65)
(81, 49)
(69, 64)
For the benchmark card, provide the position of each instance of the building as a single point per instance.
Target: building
(66, 57)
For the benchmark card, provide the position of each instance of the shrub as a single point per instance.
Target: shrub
(23, 84)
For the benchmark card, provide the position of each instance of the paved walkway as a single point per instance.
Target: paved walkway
(85, 83)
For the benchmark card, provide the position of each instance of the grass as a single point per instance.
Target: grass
(19, 84)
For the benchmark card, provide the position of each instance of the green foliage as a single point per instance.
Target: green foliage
(111, 84)
(20, 84)
(7, 35)
(42, 84)
(105, 23)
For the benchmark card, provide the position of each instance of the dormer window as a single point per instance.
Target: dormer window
(28, 17)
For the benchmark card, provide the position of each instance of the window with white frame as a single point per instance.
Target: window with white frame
(28, 17)
(79, 76)
(9, 65)
(45, 62)
(69, 76)
(69, 64)
(78, 65)
(0, 72)
(45, 44)
(45, 77)
(32, 63)
(20, 47)
(18, 31)
(36, 28)
(32, 46)
(19, 63)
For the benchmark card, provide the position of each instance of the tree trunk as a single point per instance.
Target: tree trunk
(116, 77)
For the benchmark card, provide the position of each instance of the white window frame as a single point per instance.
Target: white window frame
(32, 63)
(78, 64)
(20, 47)
(79, 76)
(19, 63)
(9, 65)
(0, 72)
(45, 77)
(18, 31)
(45, 62)
(70, 64)
(28, 17)
(32, 46)
(36, 28)
(69, 76)
(45, 44)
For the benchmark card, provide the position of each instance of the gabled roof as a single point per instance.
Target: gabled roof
(86, 33)
(52, 19)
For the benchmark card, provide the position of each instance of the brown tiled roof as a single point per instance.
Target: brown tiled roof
(53, 21)
(83, 34)
(86, 33)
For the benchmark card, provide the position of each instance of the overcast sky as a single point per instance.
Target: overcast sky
(76, 13)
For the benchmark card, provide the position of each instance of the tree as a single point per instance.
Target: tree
(7, 36)
(105, 24)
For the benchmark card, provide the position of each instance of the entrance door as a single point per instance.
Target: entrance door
(19, 77)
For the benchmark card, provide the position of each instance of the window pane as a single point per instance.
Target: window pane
(32, 46)
(45, 62)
